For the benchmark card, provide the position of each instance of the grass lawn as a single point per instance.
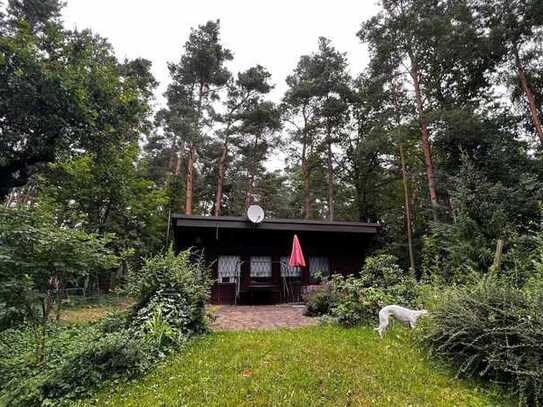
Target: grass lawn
(317, 366)
(95, 310)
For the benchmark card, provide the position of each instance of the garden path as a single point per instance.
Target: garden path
(245, 317)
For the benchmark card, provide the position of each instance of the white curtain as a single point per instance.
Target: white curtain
(319, 265)
(261, 266)
(228, 268)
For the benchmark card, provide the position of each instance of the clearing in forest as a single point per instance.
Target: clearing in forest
(312, 366)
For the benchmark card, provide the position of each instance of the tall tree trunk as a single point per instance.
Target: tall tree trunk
(307, 200)
(249, 196)
(192, 154)
(177, 168)
(224, 154)
(305, 168)
(405, 182)
(330, 169)
(252, 177)
(220, 180)
(407, 205)
(190, 178)
(534, 111)
(173, 164)
(425, 139)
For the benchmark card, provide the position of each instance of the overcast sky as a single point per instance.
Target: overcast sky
(270, 33)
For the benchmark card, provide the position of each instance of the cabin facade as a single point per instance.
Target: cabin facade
(250, 261)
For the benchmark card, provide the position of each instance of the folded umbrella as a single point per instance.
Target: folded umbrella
(297, 256)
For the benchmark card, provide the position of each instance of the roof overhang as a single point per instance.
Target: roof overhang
(293, 225)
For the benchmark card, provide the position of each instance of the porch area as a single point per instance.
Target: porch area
(260, 317)
(250, 262)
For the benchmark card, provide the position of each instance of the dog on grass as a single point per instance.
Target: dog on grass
(404, 315)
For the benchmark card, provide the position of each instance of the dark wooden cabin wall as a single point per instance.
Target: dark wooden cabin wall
(345, 251)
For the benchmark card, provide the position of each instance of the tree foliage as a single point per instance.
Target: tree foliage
(37, 258)
(63, 92)
(424, 140)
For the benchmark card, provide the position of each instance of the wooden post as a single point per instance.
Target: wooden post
(496, 267)
(407, 206)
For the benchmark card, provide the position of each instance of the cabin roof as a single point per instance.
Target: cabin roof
(294, 225)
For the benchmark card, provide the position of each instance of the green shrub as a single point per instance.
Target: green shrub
(16, 355)
(320, 300)
(81, 370)
(114, 321)
(114, 355)
(171, 294)
(159, 332)
(179, 285)
(430, 296)
(492, 330)
(357, 300)
(167, 317)
(382, 271)
(356, 304)
(21, 379)
(383, 282)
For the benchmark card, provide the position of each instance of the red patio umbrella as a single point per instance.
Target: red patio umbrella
(296, 257)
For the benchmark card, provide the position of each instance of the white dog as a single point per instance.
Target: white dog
(404, 315)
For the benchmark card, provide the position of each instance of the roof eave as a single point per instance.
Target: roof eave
(296, 225)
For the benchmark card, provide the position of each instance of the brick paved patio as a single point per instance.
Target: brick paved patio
(234, 318)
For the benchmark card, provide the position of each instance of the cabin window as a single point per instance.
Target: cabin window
(261, 267)
(319, 266)
(228, 268)
(287, 271)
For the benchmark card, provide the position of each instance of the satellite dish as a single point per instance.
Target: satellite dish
(255, 214)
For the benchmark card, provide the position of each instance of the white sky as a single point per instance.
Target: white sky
(270, 33)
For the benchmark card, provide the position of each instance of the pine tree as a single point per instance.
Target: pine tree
(515, 28)
(316, 105)
(196, 81)
(243, 94)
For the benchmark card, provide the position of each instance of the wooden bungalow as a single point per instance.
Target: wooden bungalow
(250, 260)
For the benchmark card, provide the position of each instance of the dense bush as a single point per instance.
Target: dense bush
(357, 304)
(356, 300)
(171, 295)
(21, 379)
(382, 272)
(463, 250)
(80, 360)
(165, 320)
(111, 356)
(492, 330)
(179, 285)
(319, 300)
(113, 322)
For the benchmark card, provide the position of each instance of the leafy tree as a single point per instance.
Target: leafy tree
(37, 258)
(485, 210)
(62, 92)
(377, 154)
(108, 195)
(300, 113)
(37, 13)
(160, 163)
